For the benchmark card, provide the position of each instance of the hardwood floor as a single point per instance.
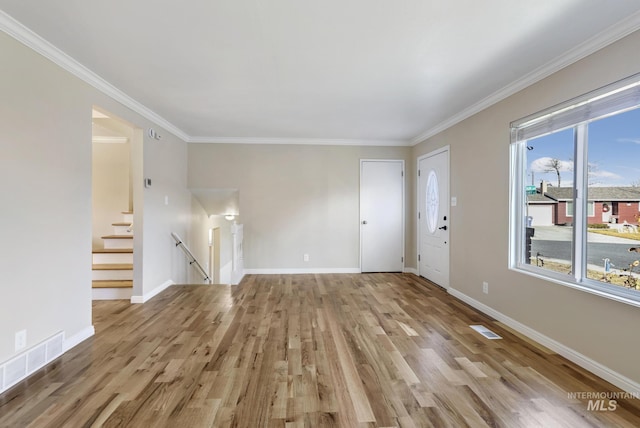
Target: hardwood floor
(370, 350)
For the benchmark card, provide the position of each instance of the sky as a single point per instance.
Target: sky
(614, 153)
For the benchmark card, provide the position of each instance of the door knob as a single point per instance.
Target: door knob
(443, 227)
(364, 221)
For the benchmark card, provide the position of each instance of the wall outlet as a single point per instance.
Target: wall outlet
(485, 287)
(21, 339)
(305, 257)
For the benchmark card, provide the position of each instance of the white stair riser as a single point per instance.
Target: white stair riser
(127, 218)
(110, 243)
(98, 275)
(122, 230)
(111, 293)
(112, 258)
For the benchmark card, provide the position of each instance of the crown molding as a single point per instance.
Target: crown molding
(300, 141)
(32, 40)
(588, 47)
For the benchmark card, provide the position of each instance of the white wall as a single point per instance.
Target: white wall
(45, 183)
(294, 199)
(167, 208)
(598, 328)
(198, 240)
(226, 246)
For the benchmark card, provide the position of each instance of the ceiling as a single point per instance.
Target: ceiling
(345, 72)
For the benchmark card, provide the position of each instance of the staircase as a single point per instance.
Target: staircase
(112, 274)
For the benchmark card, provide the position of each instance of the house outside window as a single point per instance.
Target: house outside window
(575, 193)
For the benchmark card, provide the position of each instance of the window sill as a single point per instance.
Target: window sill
(621, 295)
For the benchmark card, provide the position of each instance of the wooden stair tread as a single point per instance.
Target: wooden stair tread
(112, 284)
(127, 212)
(113, 266)
(118, 237)
(113, 250)
(121, 224)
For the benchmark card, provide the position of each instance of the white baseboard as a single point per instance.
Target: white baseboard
(77, 338)
(583, 361)
(148, 296)
(410, 270)
(299, 271)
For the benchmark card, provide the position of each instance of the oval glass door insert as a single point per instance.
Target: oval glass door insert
(433, 201)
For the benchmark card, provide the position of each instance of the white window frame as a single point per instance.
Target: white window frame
(576, 113)
(591, 209)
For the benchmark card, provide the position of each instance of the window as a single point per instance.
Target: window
(591, 210)
(575, 190)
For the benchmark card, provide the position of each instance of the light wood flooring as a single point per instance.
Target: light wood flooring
(370, 350)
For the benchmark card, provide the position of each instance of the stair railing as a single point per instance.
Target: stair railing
(192, 259)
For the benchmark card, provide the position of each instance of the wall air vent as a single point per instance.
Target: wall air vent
(15, 370)
(30, 360)
(36, 357)
(485, 332)
(54, 347)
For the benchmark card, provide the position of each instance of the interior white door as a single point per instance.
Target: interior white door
(382, 215)
(433, 217)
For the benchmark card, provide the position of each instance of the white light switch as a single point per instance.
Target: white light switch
(454, 201)
(166, 200)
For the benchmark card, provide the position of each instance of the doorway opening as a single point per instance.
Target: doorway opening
(115, 206)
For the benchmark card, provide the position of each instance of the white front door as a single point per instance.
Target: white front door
(381, 215)
(433, 217)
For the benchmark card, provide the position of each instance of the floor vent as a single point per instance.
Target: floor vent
(27, 362)
(485, 332)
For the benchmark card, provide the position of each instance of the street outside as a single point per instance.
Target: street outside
(554, 242)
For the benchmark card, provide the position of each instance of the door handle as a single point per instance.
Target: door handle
(443, 227)
(364, 221)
